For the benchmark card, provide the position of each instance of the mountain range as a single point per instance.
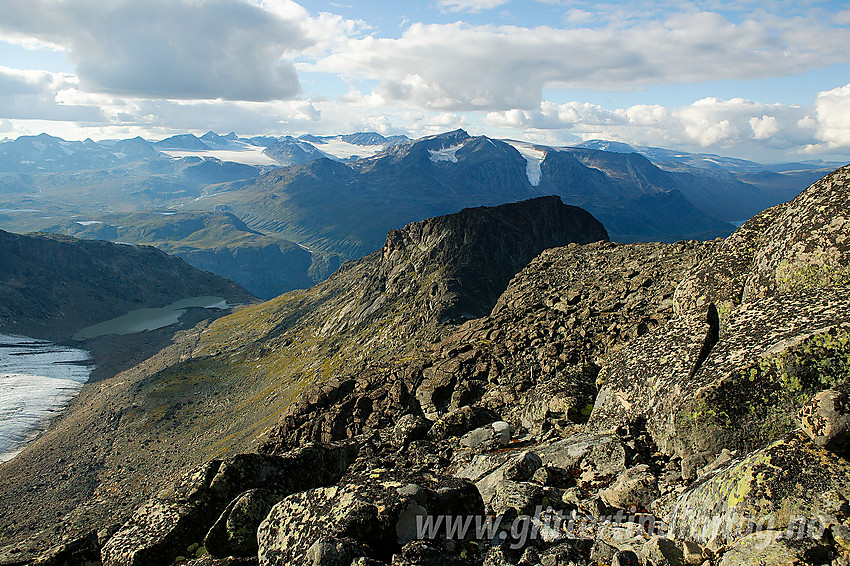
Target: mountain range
(274, 199)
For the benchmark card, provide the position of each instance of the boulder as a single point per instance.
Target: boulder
(410, 428)
(771, 547)
(740, 393)
(826, 420)
(559, 400)
(459, 422)
(486, 438)
(636, 487)
(807, 246)
(176, 518)
(790, 481)
(660, 551)
(378, 509)
(235, 532)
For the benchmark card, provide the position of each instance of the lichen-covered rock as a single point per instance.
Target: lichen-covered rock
(333, 551)
(771, 547)
(741, 393)
(460, 421)
(235, 532)
(378, 509)
(719, 279)
(660, 551)
(409, 428)
(625, 558)
(826, 419)
(523, 466)
(559, 400)
(167, 524)
(807, 246)
(426, 553)
(636, 487)
(791, 479)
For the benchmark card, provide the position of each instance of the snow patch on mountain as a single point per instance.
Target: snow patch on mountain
(533, 158)
(246, 155)
(445, 154)
(344, 150)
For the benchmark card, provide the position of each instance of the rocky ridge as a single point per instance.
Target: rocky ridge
(620, 404)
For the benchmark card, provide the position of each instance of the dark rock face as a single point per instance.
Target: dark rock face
(481, 248)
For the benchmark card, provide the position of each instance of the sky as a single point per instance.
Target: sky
(762, 80)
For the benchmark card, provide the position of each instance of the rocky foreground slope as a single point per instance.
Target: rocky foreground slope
(620, 404)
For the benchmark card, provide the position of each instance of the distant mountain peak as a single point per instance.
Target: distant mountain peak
(214, 138)
(182, 142)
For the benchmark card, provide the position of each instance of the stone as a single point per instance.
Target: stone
(332, 551)
(636, 487)
(523, 467)
(826, 420)
(625, 558)
(170, 522)
(769, 547)
(775, 486)
(720, 278)
(461, 421)
(235, 532)
(560, 399)
(376, 509)
(806, 246)
(426, 553)
(489, 437)
(410, 428)
(661, 551)
(745, 392)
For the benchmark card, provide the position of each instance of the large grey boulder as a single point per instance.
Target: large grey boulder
(380, 510)
(740, 393)
(790, 480)
(807, 246)
(166, 525)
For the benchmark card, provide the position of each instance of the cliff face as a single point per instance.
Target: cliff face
(52, 286)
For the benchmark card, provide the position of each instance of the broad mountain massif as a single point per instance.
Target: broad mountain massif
(276, 214)
(686, 402)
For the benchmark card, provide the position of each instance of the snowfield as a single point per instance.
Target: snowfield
(37, 379)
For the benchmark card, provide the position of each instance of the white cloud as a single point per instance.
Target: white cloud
(28, 95)
(833, 117)
(226, 49)
(736, 126)
(461, 67)
(470, 5)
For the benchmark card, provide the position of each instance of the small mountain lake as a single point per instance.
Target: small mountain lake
(37, 378)
(149, 319)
